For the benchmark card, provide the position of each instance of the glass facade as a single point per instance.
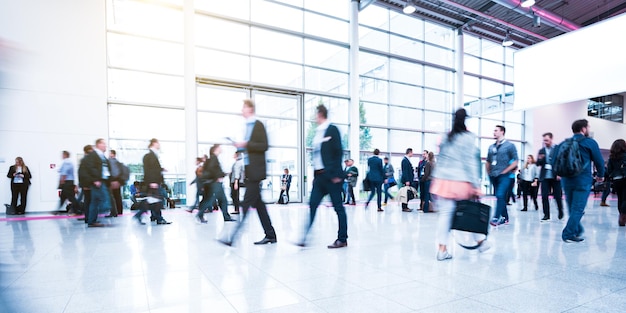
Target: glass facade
(290, 56)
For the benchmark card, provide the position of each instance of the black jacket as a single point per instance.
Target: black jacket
(152, 170)
(407, 171)
(332, 153)
(212, 170)
(27, 175)
(90, 170)
(256, 148)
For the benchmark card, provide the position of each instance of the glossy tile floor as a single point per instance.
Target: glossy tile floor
(58, 265)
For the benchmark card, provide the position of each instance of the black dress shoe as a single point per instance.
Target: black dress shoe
(265, 241)
(338, 244)
(152, 218)
(230, 220)
(524, 209)
(561, 214)
(110, 215)
(225, 242)
(236, 212)
(95, 225)
(163, 222)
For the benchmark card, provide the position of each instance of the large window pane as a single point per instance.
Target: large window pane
(264, 44)
(374, 89)
(325, 27)
(405, 117)
(374, 16)
(406, 72)
(269, 104)
(438, 78)
(471, 85)
(490, 88)
(222, 64)
(439, 56)
(493, 70)
(492, 51)
(278, 15)
(471, 45)
(378, 139)
(472, 123)
(326, 55)
(439, 35)
(336, 8)
(227, 100)
(405, 95)
(276, 73)
(373, 65)
(146, 88)
(326, 81)
(281, 132)
(144, 54)
(406, 47)
(508, 74)
(156, 21)
(337, 108)
(138, 122)
(514, 116)
(373, 39)
(400, 140)
(486, 129)
(431, 142)
(471, 64)
(234, 8)
(436, 122)
(437, 100)
(215, 127)
(407, 26)
(375, 114)
(216, 33)
(514, 131)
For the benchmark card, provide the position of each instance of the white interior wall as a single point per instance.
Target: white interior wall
(52, 88)
(558, 119)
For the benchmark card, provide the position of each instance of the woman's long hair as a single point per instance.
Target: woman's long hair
(458, 123)
(213, 148)
(21, 161)
(617, 149)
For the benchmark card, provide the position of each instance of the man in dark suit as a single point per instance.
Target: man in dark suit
(376, 176)
(153, 178)
(352, 173)
(328, 175)
(407, 174)
(548, 179)
(254, 147)
(96, 176)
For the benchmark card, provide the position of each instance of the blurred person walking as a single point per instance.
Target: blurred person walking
(375, 175)
(529, 180)
(66, 184)
(212, 176)
(455, 178)
(617, 175)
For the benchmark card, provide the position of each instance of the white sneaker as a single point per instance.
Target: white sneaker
(484, 246)
(441, 256)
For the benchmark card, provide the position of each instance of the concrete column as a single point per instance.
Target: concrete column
(460, 51)
(354, 84)
(191, 108)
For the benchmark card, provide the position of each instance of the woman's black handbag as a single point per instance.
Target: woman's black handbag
(471, 216)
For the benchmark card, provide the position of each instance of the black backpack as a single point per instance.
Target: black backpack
(124, 172)
(568, 160)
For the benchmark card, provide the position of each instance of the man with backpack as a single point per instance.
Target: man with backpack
(550, 182)
(119, 176)
(573, 164)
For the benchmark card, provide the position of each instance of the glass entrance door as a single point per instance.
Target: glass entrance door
(219, 119)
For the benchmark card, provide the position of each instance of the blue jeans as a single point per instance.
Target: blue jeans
(100, 200)
(576, 197)
(386, 191)
(606, 191)
(322, 186)
(376, 188)
(214, 191)
(501, 185)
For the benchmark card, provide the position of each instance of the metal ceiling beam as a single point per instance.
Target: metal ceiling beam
(489, 17)
(605, 14)
(547, 17)
(364, 3)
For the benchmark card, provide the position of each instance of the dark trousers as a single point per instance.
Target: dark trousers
(116, 206)
(425, 196)
(376, 189)
(20, 190)
(234, 194)
(528, 190)
(620, 189)
(323, 186)
(214, 191)
(86, 202)
(252, 198)
(155, 208)
(67, 193)
(553, 185)
(283, 191)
